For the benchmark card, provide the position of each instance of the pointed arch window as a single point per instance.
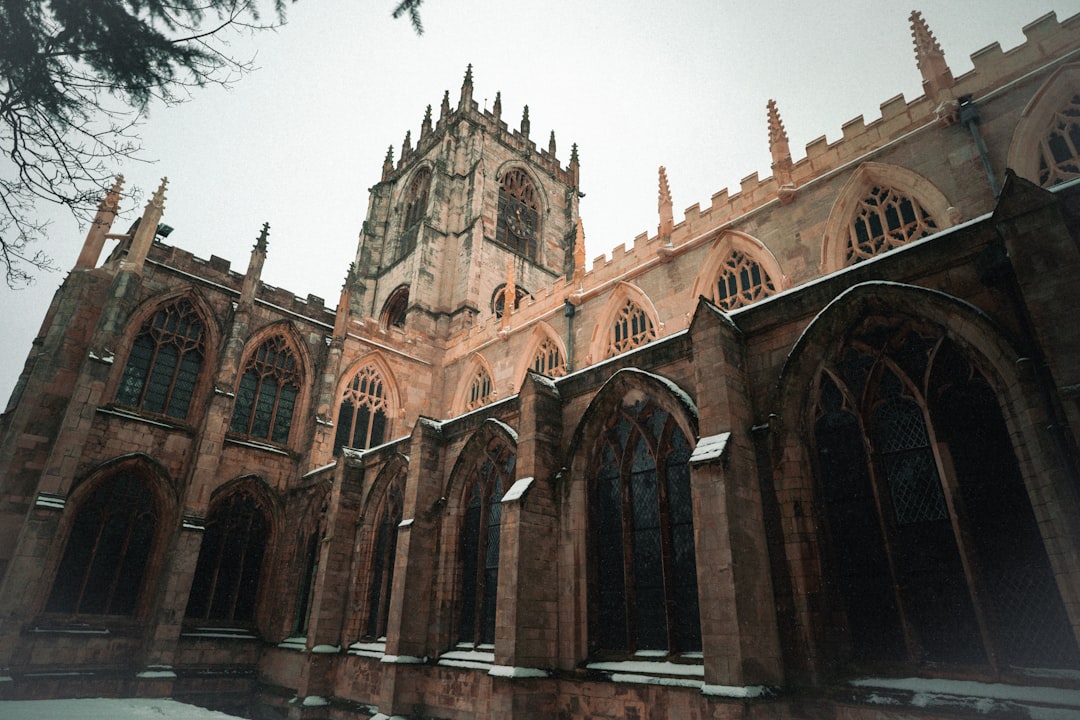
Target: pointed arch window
(381, 580)
(1059, 150)
(164, 363)
(885, 219)
(632, 328)
(742, 281)
(226, 581)
(938, 556)
(643, 593)
(267, 394)
(363, 414)
(498, 299)
(480, 533)
(519, 213)
(548, 359)
(395, 309)
(481, 390)
(416, 201)
(104, 563)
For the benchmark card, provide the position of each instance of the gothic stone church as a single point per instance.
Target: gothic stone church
(809, 452)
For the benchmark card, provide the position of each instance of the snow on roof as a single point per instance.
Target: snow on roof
(107, 709)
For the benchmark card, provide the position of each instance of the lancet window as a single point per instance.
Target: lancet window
(394, 311)
(519, 213)
(548, 359)
(267, 394)
(382, 559)
(883, 220)
(481, 390)
(416, 201)
(163, 366)
(643, 593)
(937, 551)
(104, 563)
(742, 281)
(226, 581)
(363, 414)
(1059, 151)
(487, 480)
(632, 328)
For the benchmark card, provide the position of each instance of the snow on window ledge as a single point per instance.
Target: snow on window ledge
(467, 655)
(368, 649)
(298, 643)
(652, 672)
(966, 695)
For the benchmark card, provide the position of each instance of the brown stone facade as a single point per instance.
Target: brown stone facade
(810, 452)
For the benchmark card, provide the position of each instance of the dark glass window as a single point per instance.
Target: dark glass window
(105, 559)
(382, 561)
(923, 579)
(519, 213)
(886, 219)
(267, 393)
(164, 362)
(487, 481)
(742, 281)
(226, 581)
(362, 415)
(498, 299)
(395, 309)
(306, 589)
(416, 201)
(644, 595)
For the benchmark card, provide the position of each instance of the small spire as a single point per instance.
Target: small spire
(99, 228)
(551, 144)
(778, 138)
(352, 275)
(575, 166)
(148, 224)
(406, 147)
(425, 127)
(466, 90)
(579, 252)
(667, 218)
(496, 109)
(444, 110)
(388, 163)
(263, 239)
(525, 122)
(509, 293)
(930, 59)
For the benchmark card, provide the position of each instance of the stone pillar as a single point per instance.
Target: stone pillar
(738, 615)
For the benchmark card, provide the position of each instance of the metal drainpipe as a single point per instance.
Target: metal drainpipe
(568, 311)
(969, 117)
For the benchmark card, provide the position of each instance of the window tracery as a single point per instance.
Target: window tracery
(644, 592)
(226, 581)
(363, 414)
(519, 213)
(1059, 149)
(481, 390)
(885, 219)
(267, 394)
(107, 551)
(548, 359)
(164, 363)
(742, 281)
(480, 533)
(632, 328)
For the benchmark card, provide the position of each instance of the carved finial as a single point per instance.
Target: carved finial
(496, 109)
(101, 225)
(388, 163)
(778, 138)
(930, 59)
(158, 198)
(667, 218)
(351, 276)
(148, 226)
(466, 90)
(525, 122)
(263, 239)
(425, 127)
(575, 165)
(509, 293)
(579, 252)
(444, 110)
(551, 144)
(406, 147)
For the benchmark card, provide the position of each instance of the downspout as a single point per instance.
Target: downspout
(969, 117)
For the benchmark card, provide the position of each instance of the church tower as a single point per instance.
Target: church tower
(468, 200)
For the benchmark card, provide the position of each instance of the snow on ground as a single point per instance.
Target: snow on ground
(106, 709)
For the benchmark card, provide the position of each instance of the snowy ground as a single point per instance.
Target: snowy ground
(106, 709)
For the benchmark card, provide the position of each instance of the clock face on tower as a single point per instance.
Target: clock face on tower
(518, 213)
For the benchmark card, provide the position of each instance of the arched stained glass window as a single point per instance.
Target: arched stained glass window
(742, 281)
(164, 362)
(885, 219)
(488, 479)
(363, 413)
(226, 581)
(382, 559)
(641, 537)
(1059, 151)
(266, 396)
(519, 213)
(935, 561)
(107, 550)
(548, 359)
(632, 328)
(481, 390)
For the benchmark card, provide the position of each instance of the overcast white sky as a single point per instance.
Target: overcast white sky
(636, 84)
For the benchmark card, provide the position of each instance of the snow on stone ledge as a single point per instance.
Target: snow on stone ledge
(517, 490)
(508, 671)
(107, 709)
(710, 448)
(971, 694)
